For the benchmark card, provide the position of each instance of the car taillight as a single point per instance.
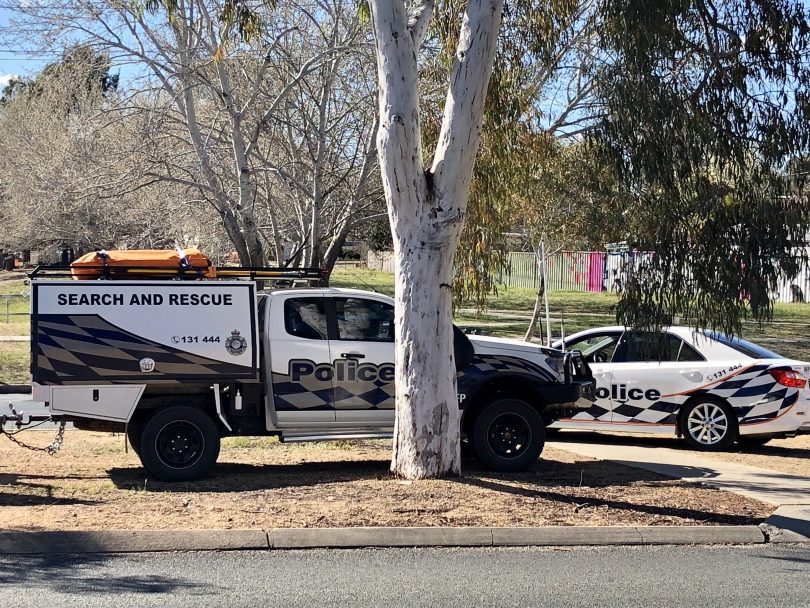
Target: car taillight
(789, 377)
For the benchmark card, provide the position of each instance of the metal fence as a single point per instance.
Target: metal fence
(6, 303)
(603, 271)
(571, 271)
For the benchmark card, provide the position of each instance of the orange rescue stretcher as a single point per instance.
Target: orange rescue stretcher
(128, 264)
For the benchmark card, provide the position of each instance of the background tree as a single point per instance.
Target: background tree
(62, 148)
(221, 90)
(706, 104)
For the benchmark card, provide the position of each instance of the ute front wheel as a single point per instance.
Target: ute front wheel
(179, 444)
(508, 435)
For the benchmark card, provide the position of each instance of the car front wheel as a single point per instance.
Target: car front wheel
(709, 425)
(508, 435)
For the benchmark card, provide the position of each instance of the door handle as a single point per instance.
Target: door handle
(353, 355)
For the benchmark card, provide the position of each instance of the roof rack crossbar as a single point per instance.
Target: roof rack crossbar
(192, 273)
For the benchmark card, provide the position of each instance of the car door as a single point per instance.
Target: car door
(363, 355)
(597, 348)
(648, 369)
(300, 361)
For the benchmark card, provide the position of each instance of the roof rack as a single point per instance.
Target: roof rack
(121, 272)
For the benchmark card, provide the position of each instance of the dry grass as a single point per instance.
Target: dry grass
(94, 484)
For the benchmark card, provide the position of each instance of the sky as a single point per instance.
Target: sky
(14, 63)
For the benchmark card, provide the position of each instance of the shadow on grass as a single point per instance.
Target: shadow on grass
(25, 491)
(240, 477)
(699, 515)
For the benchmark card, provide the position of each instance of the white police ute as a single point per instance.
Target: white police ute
(709, 388)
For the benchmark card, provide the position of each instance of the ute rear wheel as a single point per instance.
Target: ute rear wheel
(179, 443)
(709, 424)
(508, 435)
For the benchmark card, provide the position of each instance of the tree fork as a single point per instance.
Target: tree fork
(426, 209)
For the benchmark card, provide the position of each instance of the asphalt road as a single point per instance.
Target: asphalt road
(648, 577)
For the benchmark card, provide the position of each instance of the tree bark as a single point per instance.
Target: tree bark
(426, 209)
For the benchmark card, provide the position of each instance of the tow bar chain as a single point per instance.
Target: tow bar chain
(52, 449)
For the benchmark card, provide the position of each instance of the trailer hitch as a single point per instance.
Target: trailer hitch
(21, 419)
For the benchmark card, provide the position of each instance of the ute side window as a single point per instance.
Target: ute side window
(364, 320)
(306, 318)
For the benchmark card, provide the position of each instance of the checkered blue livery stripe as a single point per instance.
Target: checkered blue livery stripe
(312, 394)
(754, 395)
(88, 348)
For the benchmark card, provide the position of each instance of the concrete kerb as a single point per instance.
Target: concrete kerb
(133, 541)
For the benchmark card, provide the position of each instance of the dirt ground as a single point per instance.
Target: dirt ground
(784, 455)
(259, 483)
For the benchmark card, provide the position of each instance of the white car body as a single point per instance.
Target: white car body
(647, 396)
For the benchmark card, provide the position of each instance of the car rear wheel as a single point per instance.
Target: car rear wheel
(179, 443)
(508, 435)
(708, 424)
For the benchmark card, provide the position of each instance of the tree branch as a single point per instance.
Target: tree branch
(419, 21)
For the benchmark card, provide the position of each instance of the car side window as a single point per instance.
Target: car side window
(648, 347)
(306, 318)
(364, 320)
(596, 348)
(688, 353)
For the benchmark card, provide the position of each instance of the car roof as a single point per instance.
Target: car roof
(679, 330)
(314, 291)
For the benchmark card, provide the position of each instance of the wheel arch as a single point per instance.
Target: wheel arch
(702, 395)
(150, 404)
(512, 386)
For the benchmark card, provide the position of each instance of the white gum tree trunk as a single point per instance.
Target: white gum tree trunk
(426, 208)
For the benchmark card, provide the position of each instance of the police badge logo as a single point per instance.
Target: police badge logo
(235, 344)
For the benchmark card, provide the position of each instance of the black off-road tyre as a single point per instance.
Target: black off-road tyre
(134, 437)
(508, 435)
(709, 424)
(179, 443)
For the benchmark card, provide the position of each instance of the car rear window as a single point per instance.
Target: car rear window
(749, 349)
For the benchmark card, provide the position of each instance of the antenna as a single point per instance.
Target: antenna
(543, 261)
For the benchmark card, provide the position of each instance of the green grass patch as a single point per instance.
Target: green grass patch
(15, 287)
(363, 278)
(15, 363)
(248, 443)
(19, 326)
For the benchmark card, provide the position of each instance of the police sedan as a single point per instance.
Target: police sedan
(707, 387)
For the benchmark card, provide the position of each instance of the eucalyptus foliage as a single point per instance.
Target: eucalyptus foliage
(531, 47)
(706, 107)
